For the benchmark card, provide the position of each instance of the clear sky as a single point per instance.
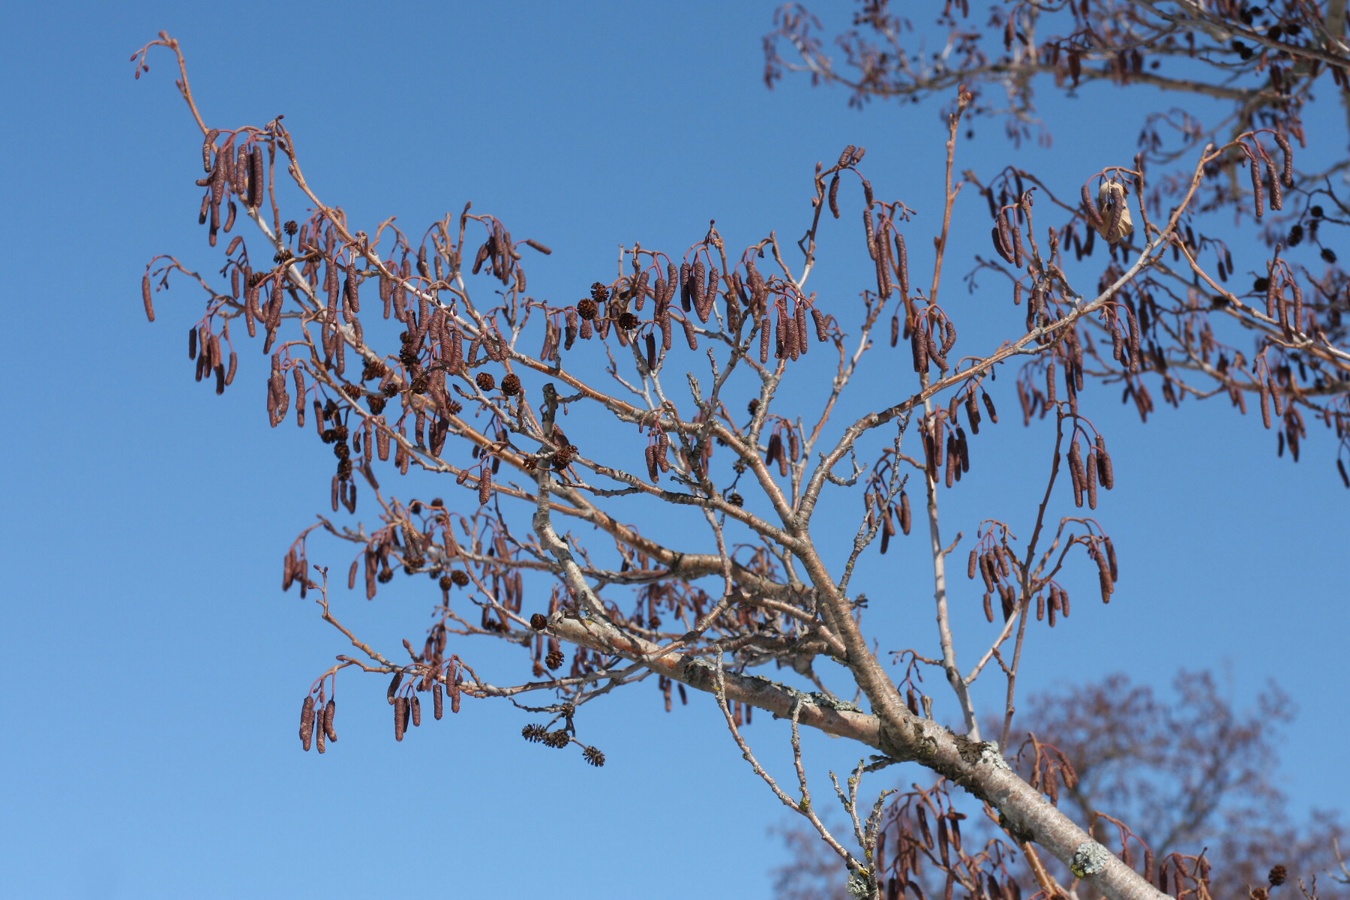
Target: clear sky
(152, 669)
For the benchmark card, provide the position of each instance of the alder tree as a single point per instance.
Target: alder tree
(647, 479)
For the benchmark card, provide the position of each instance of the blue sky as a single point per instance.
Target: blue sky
(152, 668)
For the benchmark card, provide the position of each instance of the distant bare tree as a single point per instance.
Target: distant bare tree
(638, 482)
(1193, 774)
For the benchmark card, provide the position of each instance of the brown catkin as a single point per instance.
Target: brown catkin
(145, 297)
(307, 721)
(999, 245)
(649, 454)
(1287, 176)
(704, 308)
(1276, 194)
(906, 519)
(972, 412)
(785, 335)
(774, 450)
(392, 693)
(667, 332)
(329, 714)
(415, 707)
(948, 336)
(884, 286)
(1090, 208)
(219, 176)
(672, 282)
(485, 485)
(209, 145)
(1076, 472)
(1115, 230)
(697, 274)
(988, 570)
(1298, 305)
(1092, 475)
(1258, 189)
(1016, 230)
(1271, 289)
(1103, 575)
(400, 717)
(902, 263)
(257, 178)
(319, 734)
(834, 196)
(437, 700)
(1105, 471)
(690, 336)
(822, 324)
